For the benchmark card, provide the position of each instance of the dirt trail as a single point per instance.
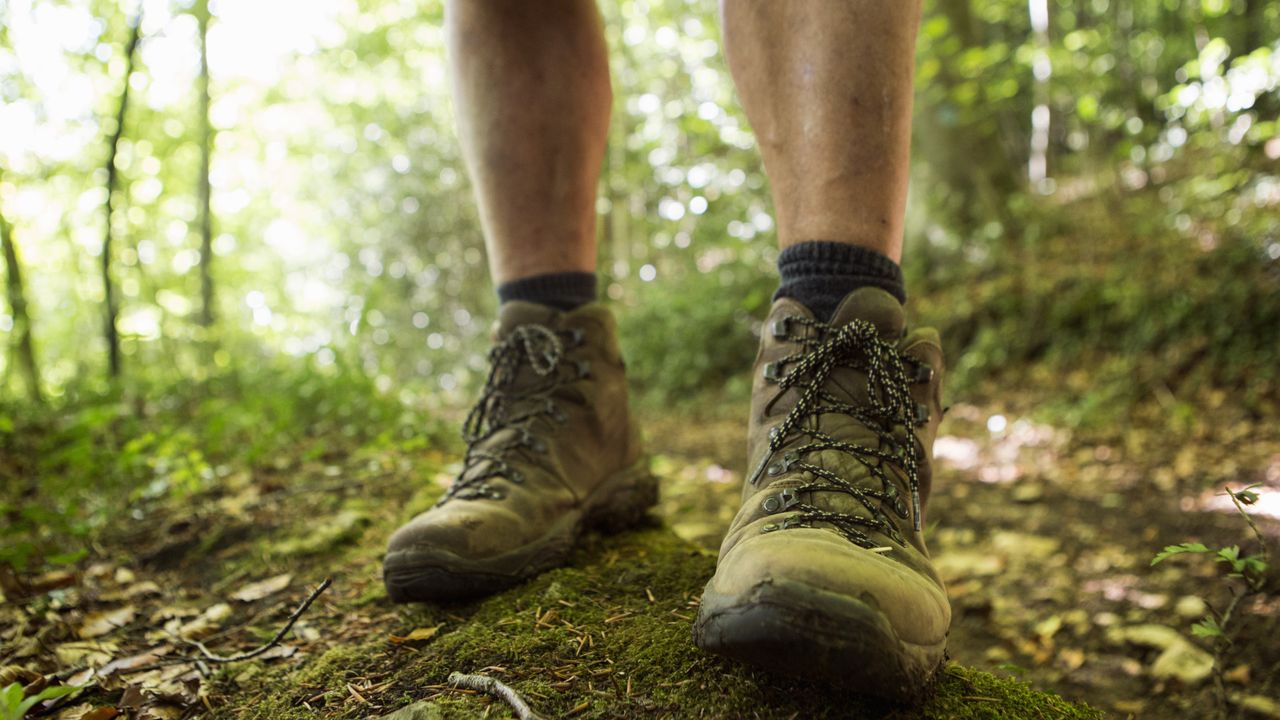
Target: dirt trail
(1045, 541)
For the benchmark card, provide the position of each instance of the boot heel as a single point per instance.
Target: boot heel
(623, 501)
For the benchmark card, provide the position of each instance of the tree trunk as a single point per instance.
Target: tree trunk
(23, 346)
(113, 145)
(204, 190)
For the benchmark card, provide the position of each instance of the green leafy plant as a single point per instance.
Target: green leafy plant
(1245, 576)
(14, 706)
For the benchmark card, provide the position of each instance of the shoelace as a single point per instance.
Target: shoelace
(856, 345)
(502, 407)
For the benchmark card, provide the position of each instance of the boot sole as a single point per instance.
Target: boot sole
(428, 574)
(793, 629)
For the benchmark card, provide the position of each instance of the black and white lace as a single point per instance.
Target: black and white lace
(889, 411)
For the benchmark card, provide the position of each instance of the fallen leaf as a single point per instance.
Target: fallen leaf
(142, 589)
(279, 651)
(1187, 663)
(89, 712)
(265, 588)
(1240, 674)
(1259, 704)
(418, 635)
(1151, 635)
(134, 662)
(17, 674)
(100, 623)
(90, 653)
(207, 624)
(160, 712)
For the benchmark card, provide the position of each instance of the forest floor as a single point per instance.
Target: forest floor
(1045, 538)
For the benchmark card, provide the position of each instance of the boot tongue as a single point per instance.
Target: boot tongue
(876, 307)
(515, 313)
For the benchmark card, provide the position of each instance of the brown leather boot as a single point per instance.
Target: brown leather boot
(824, 572)
(552, 449)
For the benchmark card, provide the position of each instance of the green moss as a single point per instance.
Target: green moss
(588, 640)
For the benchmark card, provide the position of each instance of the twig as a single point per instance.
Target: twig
(207, 656)
(211, 657)
(497, 689)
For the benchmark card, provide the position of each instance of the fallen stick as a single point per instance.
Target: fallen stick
(213, 658)
(207, 656)
(497, 689)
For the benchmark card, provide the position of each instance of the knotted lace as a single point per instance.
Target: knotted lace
(889, 407)
(510, 402)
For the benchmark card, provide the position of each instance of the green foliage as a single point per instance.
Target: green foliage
(349, 228)
(79, 468)
(1251, 570)
(679, 344)
(14, 707)
(1180, 549)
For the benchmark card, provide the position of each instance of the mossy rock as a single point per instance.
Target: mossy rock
(607, 637)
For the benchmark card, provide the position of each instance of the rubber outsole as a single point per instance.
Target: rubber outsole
(805, 632)
(426, 574)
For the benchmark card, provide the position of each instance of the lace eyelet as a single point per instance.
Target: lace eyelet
(784, 500)
(772, 372)
(769, 527)
(781, 328)
(924, 374)
(576, 336)
(584, 369)
(922, 414)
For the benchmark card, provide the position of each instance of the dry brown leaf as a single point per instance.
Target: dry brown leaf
(90, 653)
(207, 624)
(418, 635)
(279, 651)
(160, 712)
(100, 623)
(145, 588)
(133, 662)
(18, 674)
(264, 588)
(89, 712)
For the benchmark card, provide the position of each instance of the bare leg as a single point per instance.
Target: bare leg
(827, 86)
(531, 87)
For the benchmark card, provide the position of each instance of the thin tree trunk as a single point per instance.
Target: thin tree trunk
(204, 190)
(23, 345)
(113, 144)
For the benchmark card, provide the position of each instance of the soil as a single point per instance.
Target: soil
(1044, 536)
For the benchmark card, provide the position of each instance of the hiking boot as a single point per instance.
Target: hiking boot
(551, 450)
(824, 572)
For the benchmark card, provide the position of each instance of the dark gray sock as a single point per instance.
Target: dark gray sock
(563, 291)
(819, 274)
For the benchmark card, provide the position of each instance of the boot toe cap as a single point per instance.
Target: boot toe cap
(914, 603)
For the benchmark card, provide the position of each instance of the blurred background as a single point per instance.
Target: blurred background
(267, 253)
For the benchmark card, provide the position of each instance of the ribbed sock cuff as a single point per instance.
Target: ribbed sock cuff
(819, 274)
(563, 291)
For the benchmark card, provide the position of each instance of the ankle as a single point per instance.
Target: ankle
(562, 291)
(819, 274)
